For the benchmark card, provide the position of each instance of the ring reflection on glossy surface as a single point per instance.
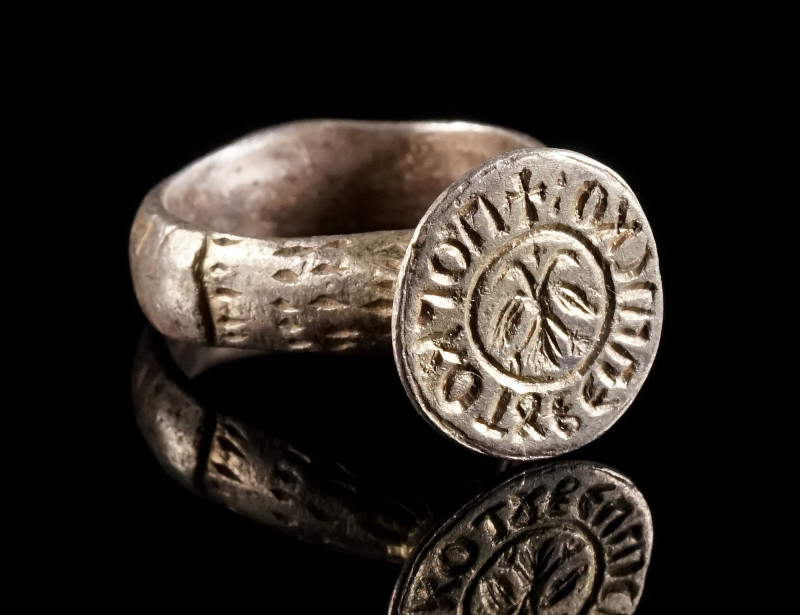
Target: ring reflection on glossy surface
(225, 459)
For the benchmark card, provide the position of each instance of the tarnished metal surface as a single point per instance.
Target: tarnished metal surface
(529, 306)
(264, 243)
(572, 538)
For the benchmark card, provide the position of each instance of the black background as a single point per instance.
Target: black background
(679, 441)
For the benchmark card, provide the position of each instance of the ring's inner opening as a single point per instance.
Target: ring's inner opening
(328, 177)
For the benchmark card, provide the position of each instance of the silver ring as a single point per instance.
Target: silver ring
(524, 311)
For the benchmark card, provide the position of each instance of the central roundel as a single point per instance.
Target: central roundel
(550, 567)
(538, 307)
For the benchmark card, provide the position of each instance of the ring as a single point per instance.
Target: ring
(524, 311)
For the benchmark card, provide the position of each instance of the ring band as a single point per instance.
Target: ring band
(262, 244)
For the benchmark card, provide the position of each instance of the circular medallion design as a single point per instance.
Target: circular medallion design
(568, 539)
(531, 317)
(529, 308)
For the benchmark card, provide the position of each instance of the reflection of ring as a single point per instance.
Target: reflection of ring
(527, 309)
(570, 535)
(229, 461)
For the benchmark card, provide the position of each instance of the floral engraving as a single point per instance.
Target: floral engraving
(527, 330)
(547, 573)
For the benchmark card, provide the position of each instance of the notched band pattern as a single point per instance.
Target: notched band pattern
(326, 293)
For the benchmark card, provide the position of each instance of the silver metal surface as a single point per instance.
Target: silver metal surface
(572, 538)
(264, 243)
(529, 306)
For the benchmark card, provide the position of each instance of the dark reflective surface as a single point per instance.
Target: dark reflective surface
(214, 436)
(699, 441)
(564, 537)
(224, 450)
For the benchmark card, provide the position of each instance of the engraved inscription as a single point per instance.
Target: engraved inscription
(539, 276)
(449, 262)
(571, 538)
(462, 386)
